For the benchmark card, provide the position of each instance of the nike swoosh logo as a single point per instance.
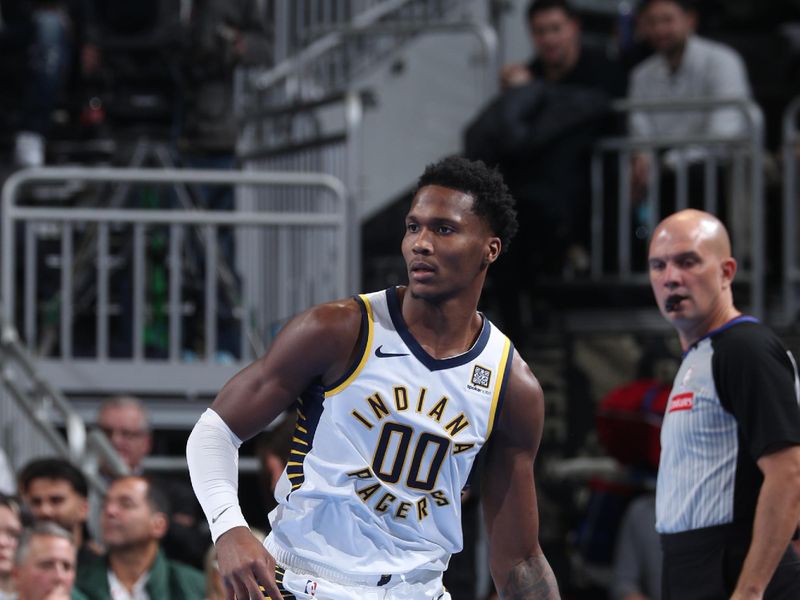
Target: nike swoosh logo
(214, 519)
(381, 354)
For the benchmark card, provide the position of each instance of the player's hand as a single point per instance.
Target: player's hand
(244, 565)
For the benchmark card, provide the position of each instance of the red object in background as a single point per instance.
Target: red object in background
(93, 113)
(629, 419)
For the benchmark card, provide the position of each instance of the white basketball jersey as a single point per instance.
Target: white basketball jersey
(379, 459)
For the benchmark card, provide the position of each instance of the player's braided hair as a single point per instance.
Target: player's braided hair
(492, 200)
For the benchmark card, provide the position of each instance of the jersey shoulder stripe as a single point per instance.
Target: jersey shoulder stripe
(500, 388)
(365, 343)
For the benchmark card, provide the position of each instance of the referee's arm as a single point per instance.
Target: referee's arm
(777, 516)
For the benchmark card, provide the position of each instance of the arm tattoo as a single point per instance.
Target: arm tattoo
(531, 579)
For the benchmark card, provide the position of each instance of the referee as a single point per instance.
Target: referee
(728, 492)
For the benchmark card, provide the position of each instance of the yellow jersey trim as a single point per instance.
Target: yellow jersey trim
(498, 386)
(364, 355)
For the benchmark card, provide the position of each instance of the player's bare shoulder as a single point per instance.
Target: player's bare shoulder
(326, 334)
(522, 415)
(339, 318)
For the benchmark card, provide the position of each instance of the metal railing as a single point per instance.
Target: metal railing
(318, 136)
(741, 160)
(298, 23)
(28, 421)
(139, 370)
(791, 262)
(321, 52)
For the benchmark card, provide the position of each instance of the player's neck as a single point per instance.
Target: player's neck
(443, 328)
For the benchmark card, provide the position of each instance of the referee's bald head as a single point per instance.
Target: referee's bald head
(698, 226)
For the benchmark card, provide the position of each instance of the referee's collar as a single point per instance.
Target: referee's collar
(720, 329)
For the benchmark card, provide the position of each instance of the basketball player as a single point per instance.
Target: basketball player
(728, 490)
(399, 390)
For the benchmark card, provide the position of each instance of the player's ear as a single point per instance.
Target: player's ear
(493, 249)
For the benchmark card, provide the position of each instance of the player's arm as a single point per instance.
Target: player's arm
(519, 568)
(777, 515)
(317, 345)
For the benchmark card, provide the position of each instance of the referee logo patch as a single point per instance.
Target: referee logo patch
(683, 401)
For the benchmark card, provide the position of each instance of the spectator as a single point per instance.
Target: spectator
(49, 59)
(10, 530)
(637, 559)
(685, 66)
(125, 422)
(224, 34)
(272, 449)
(44, 564)
(134, 521)
(561, 56)
(187, 535)
(539, 133)
(55, 490)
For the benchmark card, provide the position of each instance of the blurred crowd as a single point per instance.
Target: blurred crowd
(143, 537)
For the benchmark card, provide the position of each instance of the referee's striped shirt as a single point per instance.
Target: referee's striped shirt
(735, 399)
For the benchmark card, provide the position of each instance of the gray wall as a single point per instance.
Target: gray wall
(424, 106)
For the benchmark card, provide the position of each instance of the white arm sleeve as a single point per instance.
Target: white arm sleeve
(212, 452)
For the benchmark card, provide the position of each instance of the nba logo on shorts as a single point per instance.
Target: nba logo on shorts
(311, 588)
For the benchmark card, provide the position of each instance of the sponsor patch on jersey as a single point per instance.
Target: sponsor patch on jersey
(311, 588)
(683, 401)
(481, 376)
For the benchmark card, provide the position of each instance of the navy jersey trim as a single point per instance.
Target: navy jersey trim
(503, 386)
(309, 411)
(433, 364)
(721, 328)
(363, 337)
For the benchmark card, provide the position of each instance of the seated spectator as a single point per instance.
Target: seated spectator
(272, 451)
(224, 35)
(10, 530)
(637, 558)
(685, 66)
(125, 422)
(55, 490)
(44, 565)
(49, 59)
(187, 534)
(539, 133)
(133, 522)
